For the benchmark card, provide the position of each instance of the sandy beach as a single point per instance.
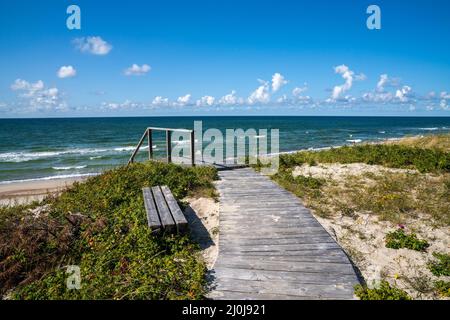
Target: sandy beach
(28, 191)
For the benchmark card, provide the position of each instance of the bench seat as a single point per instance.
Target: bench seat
(163, 212)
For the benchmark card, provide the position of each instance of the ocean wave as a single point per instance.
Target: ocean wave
(62, 176)
(23, 156)
(429, 129)
(69, 168)
(354, 140)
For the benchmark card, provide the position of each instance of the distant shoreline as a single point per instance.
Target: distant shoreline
(25, 192)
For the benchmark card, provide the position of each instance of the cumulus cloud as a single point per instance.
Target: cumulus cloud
(94, 45)
(136, 70)
(278, 81)
(160, 101)
(261, 94)
(404, 94)
(37, 97)
(349, 76)
(230, 99)
(445, 95)
(205, 101)
(381, 95)
(443, 104)
(386, 81)
(382, 82)
(184, 100)
(126, 105)
(66, 72)
(297, 91)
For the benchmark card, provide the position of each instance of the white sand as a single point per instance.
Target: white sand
(29, 191)
(203, 218)
(337, 171)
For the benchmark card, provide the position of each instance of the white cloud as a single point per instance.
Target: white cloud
(136, 70)
(261, 94)
(231, 99)
(382, 82)
(66, 72)
(349, 76)
(184, 100)
(403, 94)
(445, 95)
(93, 45)
(127, 105)
(297, 91)
(20, 84)
(160, 101)
(205, 101)
(37, 97)
(283, 99)
(278, 81)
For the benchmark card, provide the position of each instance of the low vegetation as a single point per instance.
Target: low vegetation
(100, 226)
(439, 141)
(441, 266)
(389, 155)
(384, 291)
(443, 288)
(399, 239)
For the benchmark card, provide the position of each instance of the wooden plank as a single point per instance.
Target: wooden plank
(177, 214)
(315, 291)
(302, 276)
(271, 246)
(261, 265)
(164, 213)
(152, 214)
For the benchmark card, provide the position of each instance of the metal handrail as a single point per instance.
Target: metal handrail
(148, 133)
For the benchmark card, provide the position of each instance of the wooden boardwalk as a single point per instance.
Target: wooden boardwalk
(271, 247)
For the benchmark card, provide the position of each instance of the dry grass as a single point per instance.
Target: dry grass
(440, 142)
(392, 196)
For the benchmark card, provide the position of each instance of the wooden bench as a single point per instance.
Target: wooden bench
(163, 212)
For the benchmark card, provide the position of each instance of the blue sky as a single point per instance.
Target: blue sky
(223, 58)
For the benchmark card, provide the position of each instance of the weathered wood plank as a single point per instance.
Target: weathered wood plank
(164, 212)
(272, 247)
(177, 214)
(152, 214)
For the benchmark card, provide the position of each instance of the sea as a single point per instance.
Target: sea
(55, 148)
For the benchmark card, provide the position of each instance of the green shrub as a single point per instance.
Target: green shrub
(441, 267)
(399, 239)
(299, 185)
(100, 225)
(384, 292)
(395, 156)
(443, 288)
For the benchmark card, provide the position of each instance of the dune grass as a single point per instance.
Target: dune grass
(389, 155)
(440, 142)
(100, 226)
